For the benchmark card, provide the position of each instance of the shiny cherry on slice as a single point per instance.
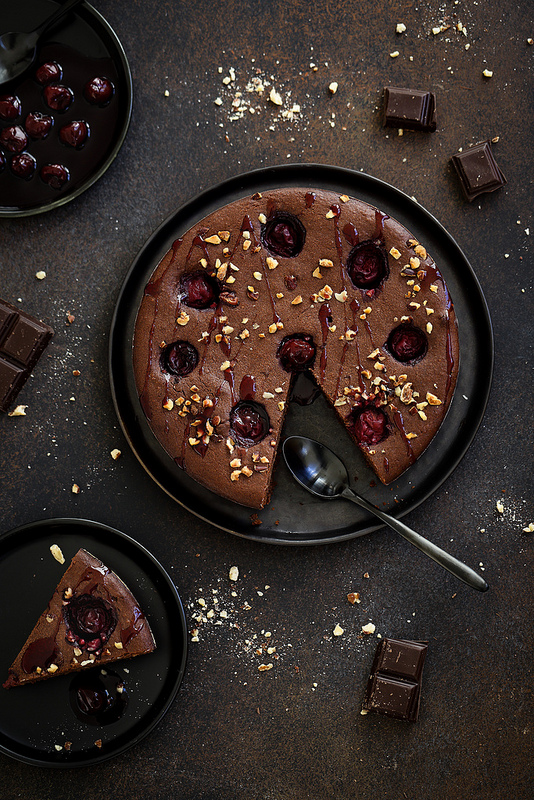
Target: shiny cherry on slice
(58, 97)
(74, 133)
(99, 91)
(249, 423)
(296, 352)
(179, 358)
(14, 139)
(407, 343)
(369, 424)
(49, 72)
(23, 165)
(10, 106)
(89, 621)
(199, 290)
(367, 265)
(283, 234)
(55, 175)
(38, 125)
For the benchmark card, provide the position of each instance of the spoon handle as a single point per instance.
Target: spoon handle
(448, 562)
(52, 19)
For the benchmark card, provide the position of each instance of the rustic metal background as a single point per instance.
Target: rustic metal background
(295, 732)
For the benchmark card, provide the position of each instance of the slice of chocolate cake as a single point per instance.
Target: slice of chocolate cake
(92, 619)
(281, 282)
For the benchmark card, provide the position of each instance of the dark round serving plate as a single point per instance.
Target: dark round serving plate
(293, 516)
(85, 46)
(35, 718)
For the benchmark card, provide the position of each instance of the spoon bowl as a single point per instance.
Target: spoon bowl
(18, 49)
(323, 474)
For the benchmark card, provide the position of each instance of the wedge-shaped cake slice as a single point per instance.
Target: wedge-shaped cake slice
(92, 619)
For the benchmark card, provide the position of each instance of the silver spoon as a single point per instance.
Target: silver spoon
(17, 49)
(323, 474)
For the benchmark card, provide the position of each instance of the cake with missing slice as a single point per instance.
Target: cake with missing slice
(281, 282)
(92, 619)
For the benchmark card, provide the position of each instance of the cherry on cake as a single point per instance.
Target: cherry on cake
(282, 282)
(92, 619)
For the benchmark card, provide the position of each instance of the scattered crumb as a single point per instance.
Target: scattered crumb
(115, 454)
(41, 275)
(333, 87)
(56, 552)
(75, 488)
(529, 528)
(19, 411)
(234, 573)
(487, 73)
(401, 27)
(338, 631)
(499, 506)
(369, 628)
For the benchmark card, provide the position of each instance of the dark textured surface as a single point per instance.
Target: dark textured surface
(295, 732)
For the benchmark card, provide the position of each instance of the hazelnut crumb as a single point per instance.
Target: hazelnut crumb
(75, 488)
(56, 552)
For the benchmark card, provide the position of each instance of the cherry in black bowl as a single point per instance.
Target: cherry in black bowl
(368, 424)
(14, 139)
(407, 343)
(199, 290)
(283, 234)
(249, 423)
(99, 91)
(23, 165)
(179, 358)
(10, 107)
(74, 133)
(297, 352)
(49, 72)
(98, 696)
(367, 265)
(55, 175)
(38, 125)
(58, 97)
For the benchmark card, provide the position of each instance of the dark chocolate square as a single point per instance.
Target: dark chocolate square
(394, 686)
(409, 108)
(22, 340)
(392, 697)
(402, 658)
(478, 170)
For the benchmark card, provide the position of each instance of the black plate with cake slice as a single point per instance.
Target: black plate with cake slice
(60, 722)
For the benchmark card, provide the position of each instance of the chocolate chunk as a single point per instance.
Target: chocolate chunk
(394, 686)
(22, 340)
(478, 170)
(410, 108)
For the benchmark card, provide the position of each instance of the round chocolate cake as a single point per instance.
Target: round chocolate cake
(279, 283)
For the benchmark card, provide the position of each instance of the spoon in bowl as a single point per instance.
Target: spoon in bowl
(18, 49)
(323, 474)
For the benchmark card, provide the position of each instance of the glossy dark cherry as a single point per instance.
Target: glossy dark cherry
(367, 265)
(179, 358)
(49, 72)
(89, 622)
(23, 165)
(55, 175)
(10, 106)
(199, 290)
(14, 139)
(283, 234)
(369, 424)
(38, 125)
(99, 91)
(297, 352)
(249, 423)
(407, 343)
(58, 97)
(98, 697)
(75, 133)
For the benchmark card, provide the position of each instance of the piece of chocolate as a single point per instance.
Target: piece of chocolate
(394, 686)
(409, 108)
(478, 170)
(22, 340)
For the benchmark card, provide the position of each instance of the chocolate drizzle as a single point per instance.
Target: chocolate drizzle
(325, 314)
(399, 422)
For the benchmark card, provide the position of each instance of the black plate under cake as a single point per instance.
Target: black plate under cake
(64, 120)
(293, 516)
(61, 722)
